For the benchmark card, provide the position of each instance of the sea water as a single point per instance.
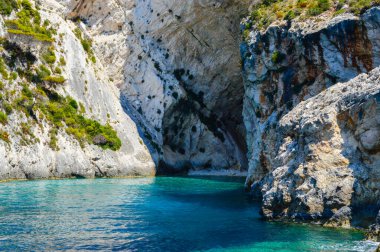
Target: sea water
(152, 214)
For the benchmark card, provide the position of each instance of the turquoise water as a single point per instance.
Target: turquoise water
(151, 214)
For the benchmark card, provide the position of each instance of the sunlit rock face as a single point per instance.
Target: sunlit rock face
(88, 84)
(179, 69)
(327, 155)
(313, 145)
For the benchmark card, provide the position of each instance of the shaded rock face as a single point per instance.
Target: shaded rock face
(374, 230)
(313, 144)
(178, 66)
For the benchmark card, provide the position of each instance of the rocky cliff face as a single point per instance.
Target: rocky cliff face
(314, 144)
(35, 141)
(180, 81)
(170, 63)
(327, 155)
(178, 66)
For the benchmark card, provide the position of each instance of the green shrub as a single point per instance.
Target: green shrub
(53, 139)
(277, 57)
(43, 72)
(49, 56)
(290, 15)
(3, 69)
(8, 108)
(14, 76)
(86, 44)
(7, 6)
(3, 118)
(246, 34)
(28, 22)
(63, 112)
(73, 103)
(58, 70)
(27, 134)
(93, 59)
(26, 91)
(62, 61)
(314, 11)
(319, 7)
(82, 109)
(341, 11)
(55, 79)
(4, 136)
(358, 5)
(78, 33)
(269, 11)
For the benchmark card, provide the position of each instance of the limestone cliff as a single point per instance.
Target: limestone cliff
(327, 156)
(39, 68)
(312, 143)
(178, 66)
(180, 80)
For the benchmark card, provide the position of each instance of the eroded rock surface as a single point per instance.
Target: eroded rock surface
(178, 66)
(322, 163)
(374, 230)
(314, 144)
(87, 84)
(289, 64)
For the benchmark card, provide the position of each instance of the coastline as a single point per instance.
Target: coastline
(211, 172)
(69, 178)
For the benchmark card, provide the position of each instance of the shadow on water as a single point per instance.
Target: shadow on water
(230, 179)
(216, 191)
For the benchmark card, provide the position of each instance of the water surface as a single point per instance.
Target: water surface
(151, 214)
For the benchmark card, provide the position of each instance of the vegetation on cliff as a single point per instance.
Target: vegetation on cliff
(7, 6)
(86, 44)
(269, 11)
(28, 86)
(28, 21)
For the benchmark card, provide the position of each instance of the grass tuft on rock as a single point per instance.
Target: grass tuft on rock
(268, 11)
(7, 6)
(28, 22)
